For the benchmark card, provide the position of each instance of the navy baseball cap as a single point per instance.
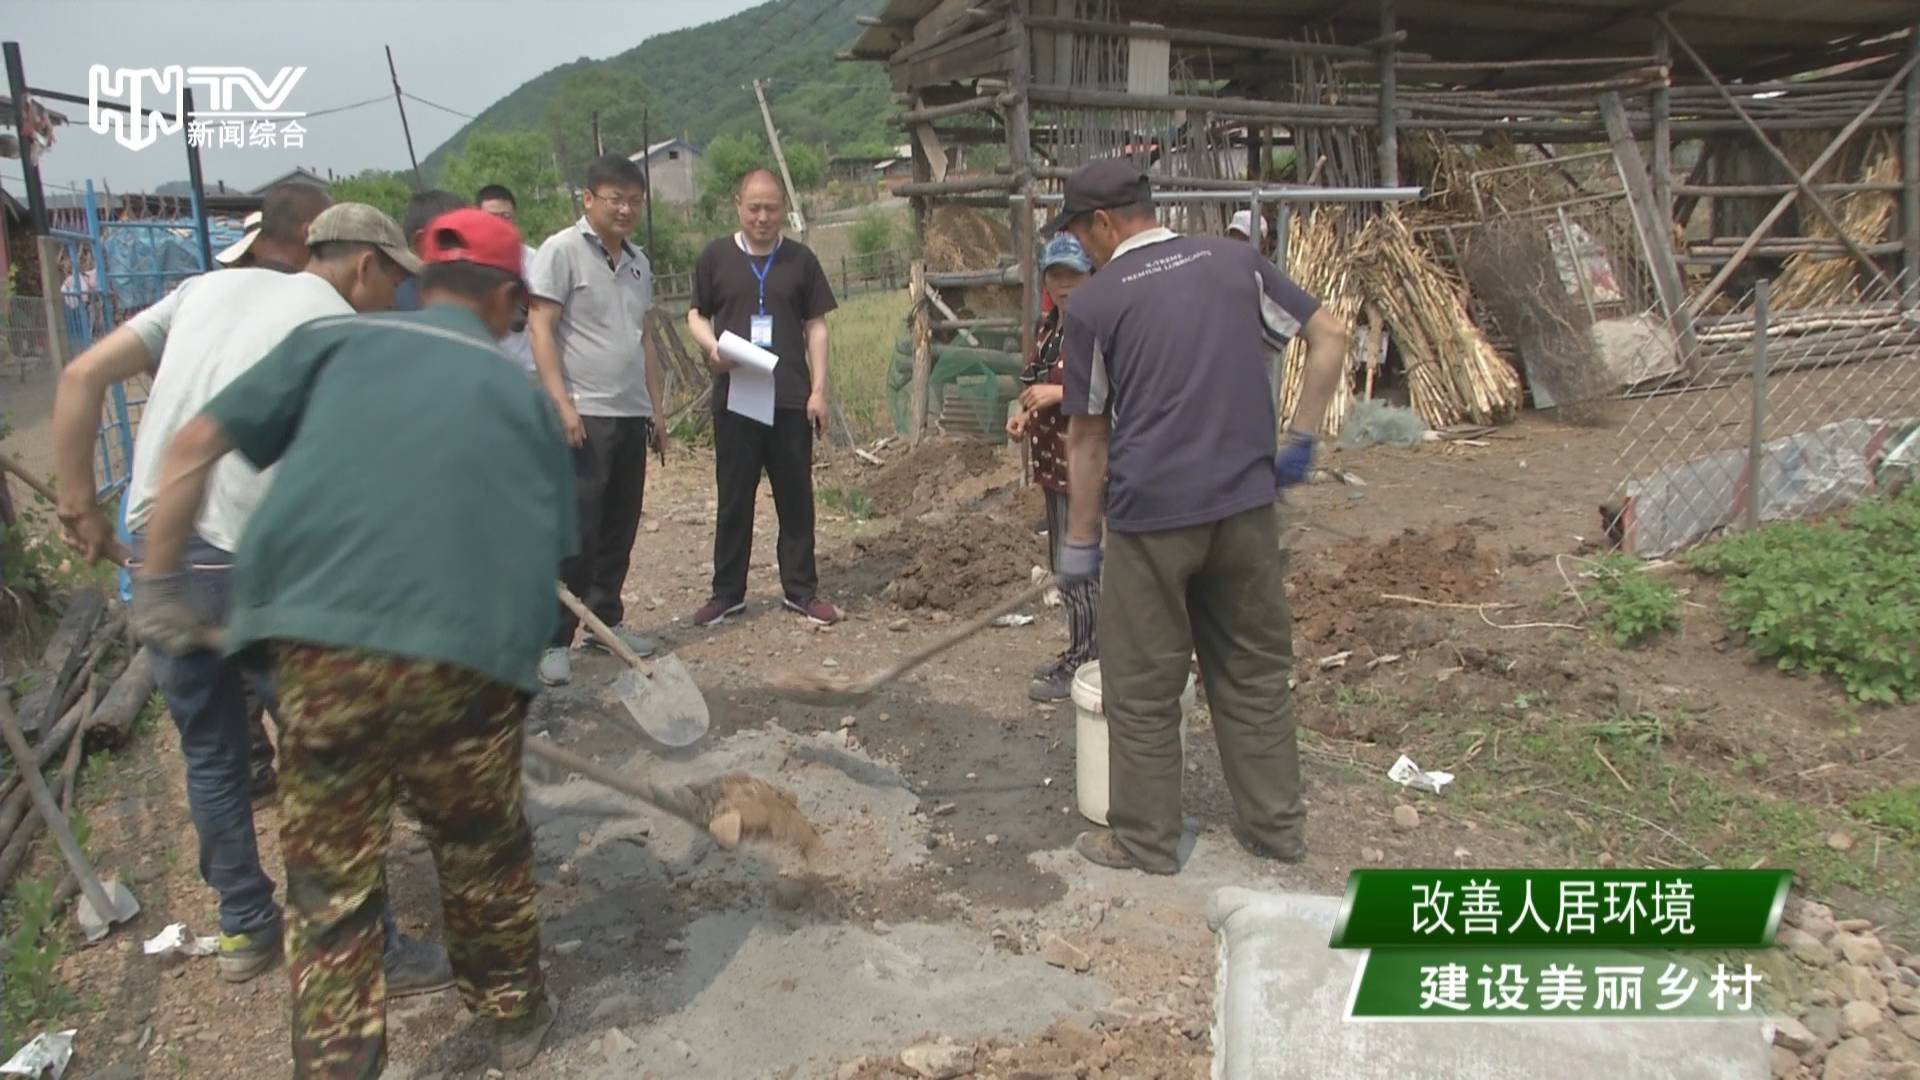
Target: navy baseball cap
(1102, 185)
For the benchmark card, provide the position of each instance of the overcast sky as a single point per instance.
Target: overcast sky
(463, 54)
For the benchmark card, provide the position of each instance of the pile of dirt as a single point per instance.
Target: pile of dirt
(930, 476)
(962, 564)
(1345, 611)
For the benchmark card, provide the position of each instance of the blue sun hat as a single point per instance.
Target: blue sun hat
(1064, 250)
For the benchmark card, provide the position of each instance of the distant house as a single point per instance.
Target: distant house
(673, 168)
(889, 169)
(298, 176)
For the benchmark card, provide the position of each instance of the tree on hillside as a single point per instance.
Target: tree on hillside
(728, 158)
(522, 161)
(619, 97)
(808, 164)
(385, 191)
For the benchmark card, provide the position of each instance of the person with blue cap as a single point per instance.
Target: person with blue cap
(1064, 265)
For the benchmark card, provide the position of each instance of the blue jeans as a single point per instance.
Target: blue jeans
(204, 695)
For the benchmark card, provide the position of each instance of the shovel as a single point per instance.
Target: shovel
(102, 904)
(661, 695)
(811, 688)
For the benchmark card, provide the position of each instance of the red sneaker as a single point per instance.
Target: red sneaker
(716, 611)
(817, 611)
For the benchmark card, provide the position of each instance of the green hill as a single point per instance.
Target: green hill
(700, 80)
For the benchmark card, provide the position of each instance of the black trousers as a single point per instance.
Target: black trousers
(610, 481)
(743, 449)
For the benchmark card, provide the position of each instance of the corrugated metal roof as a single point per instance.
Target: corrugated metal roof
(1733, 35)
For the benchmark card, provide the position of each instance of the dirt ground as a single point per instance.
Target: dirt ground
(946, 903)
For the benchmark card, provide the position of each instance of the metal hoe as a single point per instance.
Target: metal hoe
(111, 902)
(660, 695)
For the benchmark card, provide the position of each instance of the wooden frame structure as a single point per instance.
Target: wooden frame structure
(1204, 92)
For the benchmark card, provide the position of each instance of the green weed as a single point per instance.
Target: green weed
(864, 329)
(851, 501)
(1634, 605)
(1896, 809)
(34, 948)
(1839, 597)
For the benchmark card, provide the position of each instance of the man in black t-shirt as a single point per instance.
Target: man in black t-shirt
(772, 292)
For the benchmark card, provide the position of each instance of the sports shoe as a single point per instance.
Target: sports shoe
(716, 611)
(1055, 686)
(243, 956)
(1099, 847)
(556, 667)
(262, 782)
(817, 611)
(642, 645)
(417, 967)
(1046, 670)
(516, 1042)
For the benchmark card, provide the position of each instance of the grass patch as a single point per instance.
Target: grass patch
(1634, 606)
(1895, 809)
(35, 944)
(851, 501)
(1611, 787)
(864, 330)
(1839, 597)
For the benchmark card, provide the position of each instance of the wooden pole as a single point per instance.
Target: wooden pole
(1910, 172)
(773, 136)
(1756, 436)
(29, 169)
(1801, 182)
(1706, 295)
(418, 183)
(57, 341)
(1389, 85)
(1655, 230)
(922, 355)
(1660, 119)
(1020, 156)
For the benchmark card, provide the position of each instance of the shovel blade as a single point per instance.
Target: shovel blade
(665, 702)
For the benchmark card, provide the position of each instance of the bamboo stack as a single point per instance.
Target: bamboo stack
(1316, 262)
(1453, 372)
(1812, 279)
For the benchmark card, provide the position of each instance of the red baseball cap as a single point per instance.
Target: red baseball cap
(475, 236)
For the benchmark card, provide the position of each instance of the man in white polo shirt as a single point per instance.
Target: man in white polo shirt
(498, 200)
(200, 337)
(591, 289)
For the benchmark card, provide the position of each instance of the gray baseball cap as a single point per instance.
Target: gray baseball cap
(359, 223)
(1102, 185)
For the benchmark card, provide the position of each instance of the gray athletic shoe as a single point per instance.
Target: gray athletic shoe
(642, 645)
(243, 956)
(517, 1042)
(417, 967)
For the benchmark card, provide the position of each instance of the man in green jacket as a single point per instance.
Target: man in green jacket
(399, 578)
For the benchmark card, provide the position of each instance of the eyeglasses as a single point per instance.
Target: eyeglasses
(618, 202)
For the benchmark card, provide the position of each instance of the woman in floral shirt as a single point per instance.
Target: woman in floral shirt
(1064, 266)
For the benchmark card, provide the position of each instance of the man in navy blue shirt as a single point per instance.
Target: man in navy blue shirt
(1171, 425)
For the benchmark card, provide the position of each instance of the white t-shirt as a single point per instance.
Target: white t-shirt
(206, 333)
(519, 345)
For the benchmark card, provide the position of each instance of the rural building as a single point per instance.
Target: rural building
(673, 170)
(297, 176)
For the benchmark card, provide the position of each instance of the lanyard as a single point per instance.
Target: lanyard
(760, 271)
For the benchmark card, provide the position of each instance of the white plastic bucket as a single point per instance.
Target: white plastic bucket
(1090, 740)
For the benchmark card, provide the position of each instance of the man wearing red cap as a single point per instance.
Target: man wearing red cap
(399, 578)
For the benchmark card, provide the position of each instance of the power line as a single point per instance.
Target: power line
(345, 108)
(442, 108)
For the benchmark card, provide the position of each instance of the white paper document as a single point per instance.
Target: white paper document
(750, 383)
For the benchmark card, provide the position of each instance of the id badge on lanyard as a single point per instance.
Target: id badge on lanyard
(761, 327)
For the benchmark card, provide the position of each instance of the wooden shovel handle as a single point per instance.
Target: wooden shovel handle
(599, 629)
(966, 631)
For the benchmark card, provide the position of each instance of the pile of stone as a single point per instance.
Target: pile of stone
(1854, 1014)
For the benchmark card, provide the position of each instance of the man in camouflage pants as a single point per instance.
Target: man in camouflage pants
(399, 575)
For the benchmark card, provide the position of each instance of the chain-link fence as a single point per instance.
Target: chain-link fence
(1761, 415)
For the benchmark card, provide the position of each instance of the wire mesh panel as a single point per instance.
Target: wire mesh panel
(1772, 415)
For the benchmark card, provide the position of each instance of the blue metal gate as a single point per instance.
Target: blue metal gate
(118, 266)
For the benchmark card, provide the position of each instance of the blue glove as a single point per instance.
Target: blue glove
(1295, 459)
(1078, 563)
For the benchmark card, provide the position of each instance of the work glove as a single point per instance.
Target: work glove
(1295, 459)
(163, 616)
(1079, 562)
